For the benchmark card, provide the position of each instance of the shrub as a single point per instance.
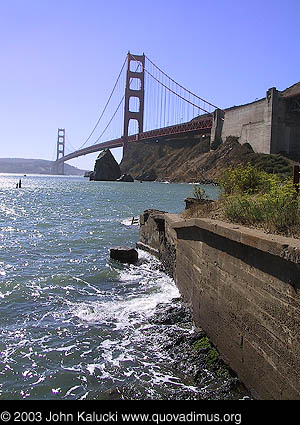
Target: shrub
(252, 197)
(274, 164)
(243, 209)
(282, 204)
(246, 180)
(199, 193)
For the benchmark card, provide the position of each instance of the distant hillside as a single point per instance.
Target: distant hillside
(34, 166)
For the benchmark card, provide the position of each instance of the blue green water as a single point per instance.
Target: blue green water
(72, 321)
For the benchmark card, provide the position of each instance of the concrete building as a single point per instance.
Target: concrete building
(269, 125)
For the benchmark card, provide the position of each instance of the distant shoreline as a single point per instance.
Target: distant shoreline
(34, 166)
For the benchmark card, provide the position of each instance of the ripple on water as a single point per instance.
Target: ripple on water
(75, 324)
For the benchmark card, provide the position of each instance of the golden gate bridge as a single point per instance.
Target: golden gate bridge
(153, 106)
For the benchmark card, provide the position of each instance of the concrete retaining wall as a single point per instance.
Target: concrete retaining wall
(248, 122)
(158, 237)
(267, 124)
(244, 290)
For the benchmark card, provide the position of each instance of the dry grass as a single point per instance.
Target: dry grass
(205, 210)
(215, 210)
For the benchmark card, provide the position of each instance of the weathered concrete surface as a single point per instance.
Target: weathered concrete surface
(159, 238)
(269, 125)
(248, 123)
(244, 290)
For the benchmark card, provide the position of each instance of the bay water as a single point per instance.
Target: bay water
(73, 323)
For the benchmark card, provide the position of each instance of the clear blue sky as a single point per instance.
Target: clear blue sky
(60, 59)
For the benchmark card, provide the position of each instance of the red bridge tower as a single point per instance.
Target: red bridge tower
(136, 79)
(60, 152)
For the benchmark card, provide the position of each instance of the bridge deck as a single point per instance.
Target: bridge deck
(204, 124)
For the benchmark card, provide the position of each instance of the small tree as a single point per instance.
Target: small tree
(199, 193)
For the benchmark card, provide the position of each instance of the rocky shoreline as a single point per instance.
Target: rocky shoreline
(191, 351)
(193, 359)
(201, 373)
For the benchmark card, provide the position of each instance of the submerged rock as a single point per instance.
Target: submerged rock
(106, 167)
(125, 178)
(166, 314)
(124, 254)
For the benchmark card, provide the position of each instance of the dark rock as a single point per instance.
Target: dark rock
(192, 202)
(88, 173)
(148, 176)
(106, 167)
(172, 330)
(171, 314)
(124, 254)
(125, 178)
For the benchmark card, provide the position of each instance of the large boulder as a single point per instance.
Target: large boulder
(124, 254)
(106, 167)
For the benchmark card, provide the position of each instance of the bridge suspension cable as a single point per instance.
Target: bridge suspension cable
(117, 108)
(69, 144)
(109, 122)
(166, 103)
(105, 107)
(113, 113)
(179, 85)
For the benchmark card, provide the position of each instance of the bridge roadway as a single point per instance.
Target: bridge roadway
(202, 125)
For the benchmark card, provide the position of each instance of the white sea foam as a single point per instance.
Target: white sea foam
(78, 325)
(152, 287)
(131, 221)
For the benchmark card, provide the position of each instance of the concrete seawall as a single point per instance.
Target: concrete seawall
(243, 287)
(270, 125)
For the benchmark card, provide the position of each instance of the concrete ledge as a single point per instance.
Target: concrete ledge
(144, 247)
(281, 246)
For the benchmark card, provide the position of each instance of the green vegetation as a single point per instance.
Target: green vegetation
(199, 193)
(201, 343)
(272, 164)
(251, 196)
(212, 356)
